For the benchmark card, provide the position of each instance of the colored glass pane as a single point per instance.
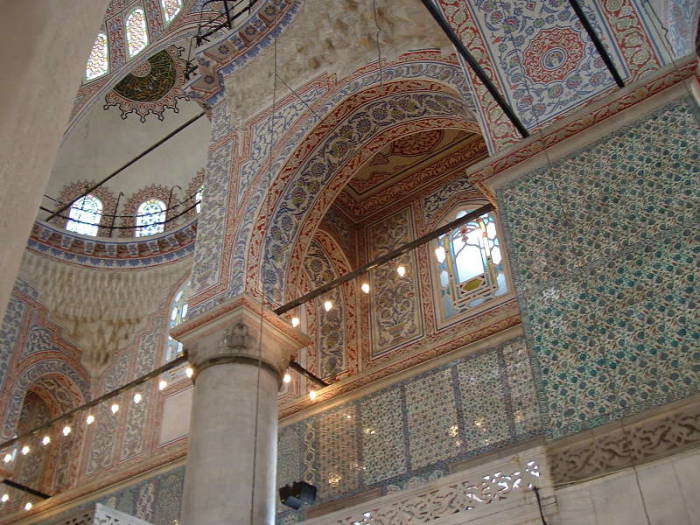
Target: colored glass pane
(84, 216)
(470, 267)
(98, 62)
(136, 32)
(170, 9)
(150, 218)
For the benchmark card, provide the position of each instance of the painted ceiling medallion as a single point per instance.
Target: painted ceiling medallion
(152, 87)
(417, 144)
(553, 54)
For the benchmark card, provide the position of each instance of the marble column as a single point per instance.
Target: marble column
(239, 353)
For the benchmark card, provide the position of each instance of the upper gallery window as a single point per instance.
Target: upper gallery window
(470, 268)
(98, 62)
(198, 199)
(84, 216)
(170, 9)
(136, 32)
(150, 218)
(178, 313)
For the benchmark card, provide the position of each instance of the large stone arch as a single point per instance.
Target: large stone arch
(221, 260)
(73, 386)
(327, 159)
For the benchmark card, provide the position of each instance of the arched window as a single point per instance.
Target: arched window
(150, 218)
(98, 62)
(198, 198)
(170, 9)
(470, 267)
(84, 216)
(178, 313)
(136, 32)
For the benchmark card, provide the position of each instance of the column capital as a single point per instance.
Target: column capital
(240, 330)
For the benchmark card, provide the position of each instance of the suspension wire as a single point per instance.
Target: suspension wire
(271, 133)
(318, 117)
(379, 47)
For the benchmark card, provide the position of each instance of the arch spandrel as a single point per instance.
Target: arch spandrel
(230, 241)
(311, 180)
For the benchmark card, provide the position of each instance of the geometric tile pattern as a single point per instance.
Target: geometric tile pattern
(410, 431)
(604, 246)
(432, 415)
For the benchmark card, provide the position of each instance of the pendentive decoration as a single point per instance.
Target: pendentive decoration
(152, 87)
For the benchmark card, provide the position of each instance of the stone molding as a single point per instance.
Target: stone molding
(619, 446)
(100, 515)
(500, 489)
(242, 330)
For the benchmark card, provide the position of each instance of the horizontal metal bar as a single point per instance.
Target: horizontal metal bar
(597, 42)
(24, 488)
(384, 258)
(132, 161)
(109, 395)
(475, 66)
(303, 371)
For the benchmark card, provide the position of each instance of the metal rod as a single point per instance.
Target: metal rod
(303, 371)
(24, 488)
(109, 395)
(474, 65)
(597, 42)
(114, 217)
(132, 161)
(385, 258)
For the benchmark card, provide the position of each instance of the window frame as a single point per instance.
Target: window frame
(87, 80)
(139, 228)
(77, 220)
(126, 31)
(442, 318)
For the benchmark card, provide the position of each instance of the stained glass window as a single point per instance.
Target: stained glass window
(136, 32)
(470, 268)
(170, 9)
(98, 62)
(150, 218)
(84, 216)
(178, 313)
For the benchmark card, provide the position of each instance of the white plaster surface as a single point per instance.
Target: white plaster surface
(176, 416)
(102, 142)
(664, 492)
(44, 46)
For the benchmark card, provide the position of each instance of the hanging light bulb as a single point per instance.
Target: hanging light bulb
(114, 408)
(90, 419)
(189, 371)
(5, 498)
(25, 450)
(67, 430)
(287, 377)
(295, 321)
(28, 505)
(365, 287)
(312, 395)
(328, 305)
(401, 270)
(46, 440)
(440, 253)
(7, 458)
(162, 384)
(138, 397)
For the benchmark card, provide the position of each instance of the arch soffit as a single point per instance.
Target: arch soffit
(54, 368)
(334, 150)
